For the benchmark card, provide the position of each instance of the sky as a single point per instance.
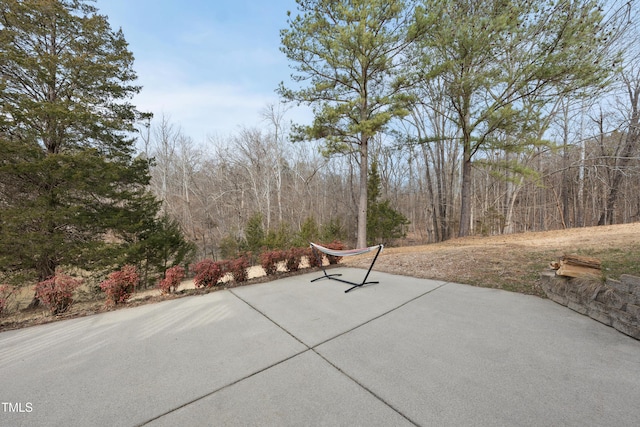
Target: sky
(209, 66)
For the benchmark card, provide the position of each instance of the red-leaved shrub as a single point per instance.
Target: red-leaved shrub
(6, 292)
(172, 279)
(314, 257)
(56, 293)
(269, 261)
(336, 246)
(207, 273)
(120, 285)
(294, 256)
(239, 269)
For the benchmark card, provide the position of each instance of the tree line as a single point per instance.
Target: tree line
(431, 119)
(481, 117)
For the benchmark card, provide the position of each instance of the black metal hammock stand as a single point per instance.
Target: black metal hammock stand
(317, 249)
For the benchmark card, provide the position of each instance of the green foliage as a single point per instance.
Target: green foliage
(72, 193)
(349, 58)
(501, 63)
(332, 230)
(309, 232)
(519, 49)
(383, 222)
(374, 184)
(350, 53)
(280, 238)
(66, 77)
(229, 246)
(386, 223)
(63, 205)
(157, 244)
(254, 234)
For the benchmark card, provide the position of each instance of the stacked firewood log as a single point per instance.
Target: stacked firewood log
(577, 266)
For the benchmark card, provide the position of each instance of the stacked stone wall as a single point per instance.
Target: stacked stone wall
(615, 303)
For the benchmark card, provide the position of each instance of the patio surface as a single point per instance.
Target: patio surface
(405, 351)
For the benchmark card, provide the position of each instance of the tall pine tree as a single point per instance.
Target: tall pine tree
(348, 58)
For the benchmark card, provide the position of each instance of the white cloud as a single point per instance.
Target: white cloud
(205, 109)
(203, 102)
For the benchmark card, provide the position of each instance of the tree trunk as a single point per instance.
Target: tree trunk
(511, 196)
(464, 112)
(431, 193)
(630, 147)
(566, 161)
(362, 202)
(465, 193)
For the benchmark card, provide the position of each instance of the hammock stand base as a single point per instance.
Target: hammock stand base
(317, 249)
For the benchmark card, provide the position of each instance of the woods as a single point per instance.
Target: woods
(431, 119)
(529, 133)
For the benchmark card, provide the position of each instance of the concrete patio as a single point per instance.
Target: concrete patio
(405, 351)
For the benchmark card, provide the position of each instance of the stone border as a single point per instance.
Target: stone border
(615, 303)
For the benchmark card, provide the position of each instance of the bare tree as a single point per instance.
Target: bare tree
(627, 149)
(274, 115)
(164, 143)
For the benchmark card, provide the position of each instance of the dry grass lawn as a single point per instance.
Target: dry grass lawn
(513, 262)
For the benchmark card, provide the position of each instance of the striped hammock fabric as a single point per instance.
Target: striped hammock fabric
(333, 252)
(347, 252)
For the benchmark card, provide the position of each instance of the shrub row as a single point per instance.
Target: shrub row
(290, 259)
(56, 293)
(209, 273)
(336, 246)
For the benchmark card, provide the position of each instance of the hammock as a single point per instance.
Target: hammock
(316, 249)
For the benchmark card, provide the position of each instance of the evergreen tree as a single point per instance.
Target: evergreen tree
(383, 222)
(157, 245)
(71, 192)
(309, 232)
(279, 238)
(230, 245)
(332, 230)
(254, 234)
